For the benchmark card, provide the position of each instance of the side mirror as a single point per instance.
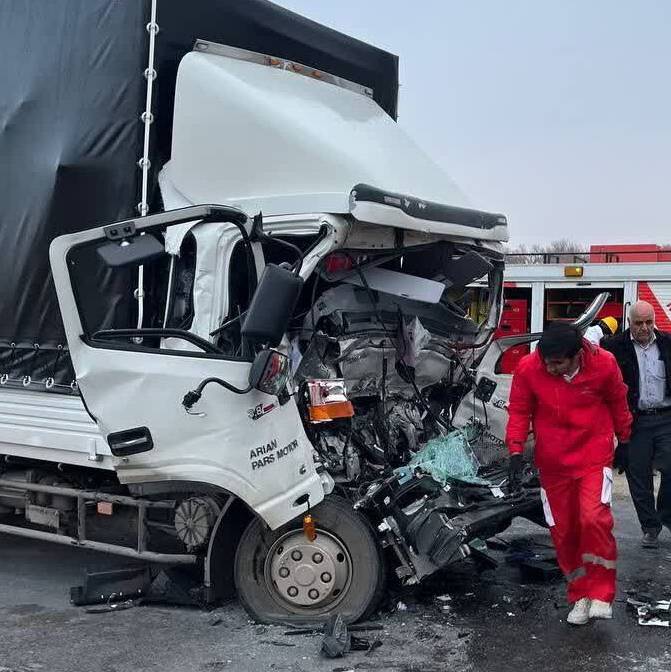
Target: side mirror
(269, 372)
(133, 251)
(272, 305)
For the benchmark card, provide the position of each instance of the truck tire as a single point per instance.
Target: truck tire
(280, 576)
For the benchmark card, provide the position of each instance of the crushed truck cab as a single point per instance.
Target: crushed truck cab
(381, 343)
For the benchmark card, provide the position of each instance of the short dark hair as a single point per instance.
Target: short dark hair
(560, 340)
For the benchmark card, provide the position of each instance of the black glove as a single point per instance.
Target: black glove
(515, 468)
(621, 459)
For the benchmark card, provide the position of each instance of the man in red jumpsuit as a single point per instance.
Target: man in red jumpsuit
(572, 394)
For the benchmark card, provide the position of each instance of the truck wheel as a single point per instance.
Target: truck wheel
(281, 576)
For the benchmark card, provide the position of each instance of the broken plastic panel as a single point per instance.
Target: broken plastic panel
(450, 458)
(464, 270)
(399, 284)
(654, 613)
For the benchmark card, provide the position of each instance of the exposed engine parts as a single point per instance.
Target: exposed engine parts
(396, 331)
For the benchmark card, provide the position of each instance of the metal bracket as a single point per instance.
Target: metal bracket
(93, 451)
(43, 515)
(119, 231)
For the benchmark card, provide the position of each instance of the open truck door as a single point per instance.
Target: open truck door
(133, 380)
(487, 403)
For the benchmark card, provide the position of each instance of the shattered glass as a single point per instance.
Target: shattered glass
(450, 458)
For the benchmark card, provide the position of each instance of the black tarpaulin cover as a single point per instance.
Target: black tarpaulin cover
(71, 94)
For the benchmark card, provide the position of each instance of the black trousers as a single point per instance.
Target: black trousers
(650, 448)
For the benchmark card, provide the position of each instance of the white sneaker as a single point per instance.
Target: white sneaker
(580, 613)
(601, 609)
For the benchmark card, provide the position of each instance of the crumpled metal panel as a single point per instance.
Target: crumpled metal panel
(351, 311)
(366, 374)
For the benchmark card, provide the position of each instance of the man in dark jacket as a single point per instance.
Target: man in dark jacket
(644, 356)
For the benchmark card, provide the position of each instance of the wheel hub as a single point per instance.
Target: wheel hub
(308, 574)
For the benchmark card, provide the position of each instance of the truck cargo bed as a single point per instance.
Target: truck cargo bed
(55, 428)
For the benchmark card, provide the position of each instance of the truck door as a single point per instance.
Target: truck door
(132, 384)
(487, 402)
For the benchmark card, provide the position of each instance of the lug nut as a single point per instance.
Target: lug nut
(296, 555)
(284, 572)
(326, 577)
(293, 591)
(317, 558)
(313, 594)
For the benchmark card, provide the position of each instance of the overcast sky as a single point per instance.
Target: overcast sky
(554, 112)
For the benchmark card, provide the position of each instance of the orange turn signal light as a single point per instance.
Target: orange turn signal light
(331, 411)
(309, 527)
(573, 271)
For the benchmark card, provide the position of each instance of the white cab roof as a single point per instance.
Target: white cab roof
(268, 139)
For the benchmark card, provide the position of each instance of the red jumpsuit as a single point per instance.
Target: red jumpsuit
(574, 423)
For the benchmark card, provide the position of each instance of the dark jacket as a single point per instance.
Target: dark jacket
(623, 349)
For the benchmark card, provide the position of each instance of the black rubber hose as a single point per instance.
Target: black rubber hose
(193, 396)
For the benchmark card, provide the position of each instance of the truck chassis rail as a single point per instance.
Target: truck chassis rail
(84, 497)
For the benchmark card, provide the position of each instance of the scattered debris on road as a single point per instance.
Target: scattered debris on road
(111, 606)
(535, 561)
(653, 613)
(338, 639)
(355, 627)
(214, 618)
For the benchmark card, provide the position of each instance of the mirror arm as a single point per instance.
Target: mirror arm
(226, 324)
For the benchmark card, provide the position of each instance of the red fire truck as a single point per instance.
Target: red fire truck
(560, 287)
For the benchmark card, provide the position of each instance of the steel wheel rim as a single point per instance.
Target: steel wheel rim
(308, 576)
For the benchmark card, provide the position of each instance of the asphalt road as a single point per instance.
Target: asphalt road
(466, 620)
